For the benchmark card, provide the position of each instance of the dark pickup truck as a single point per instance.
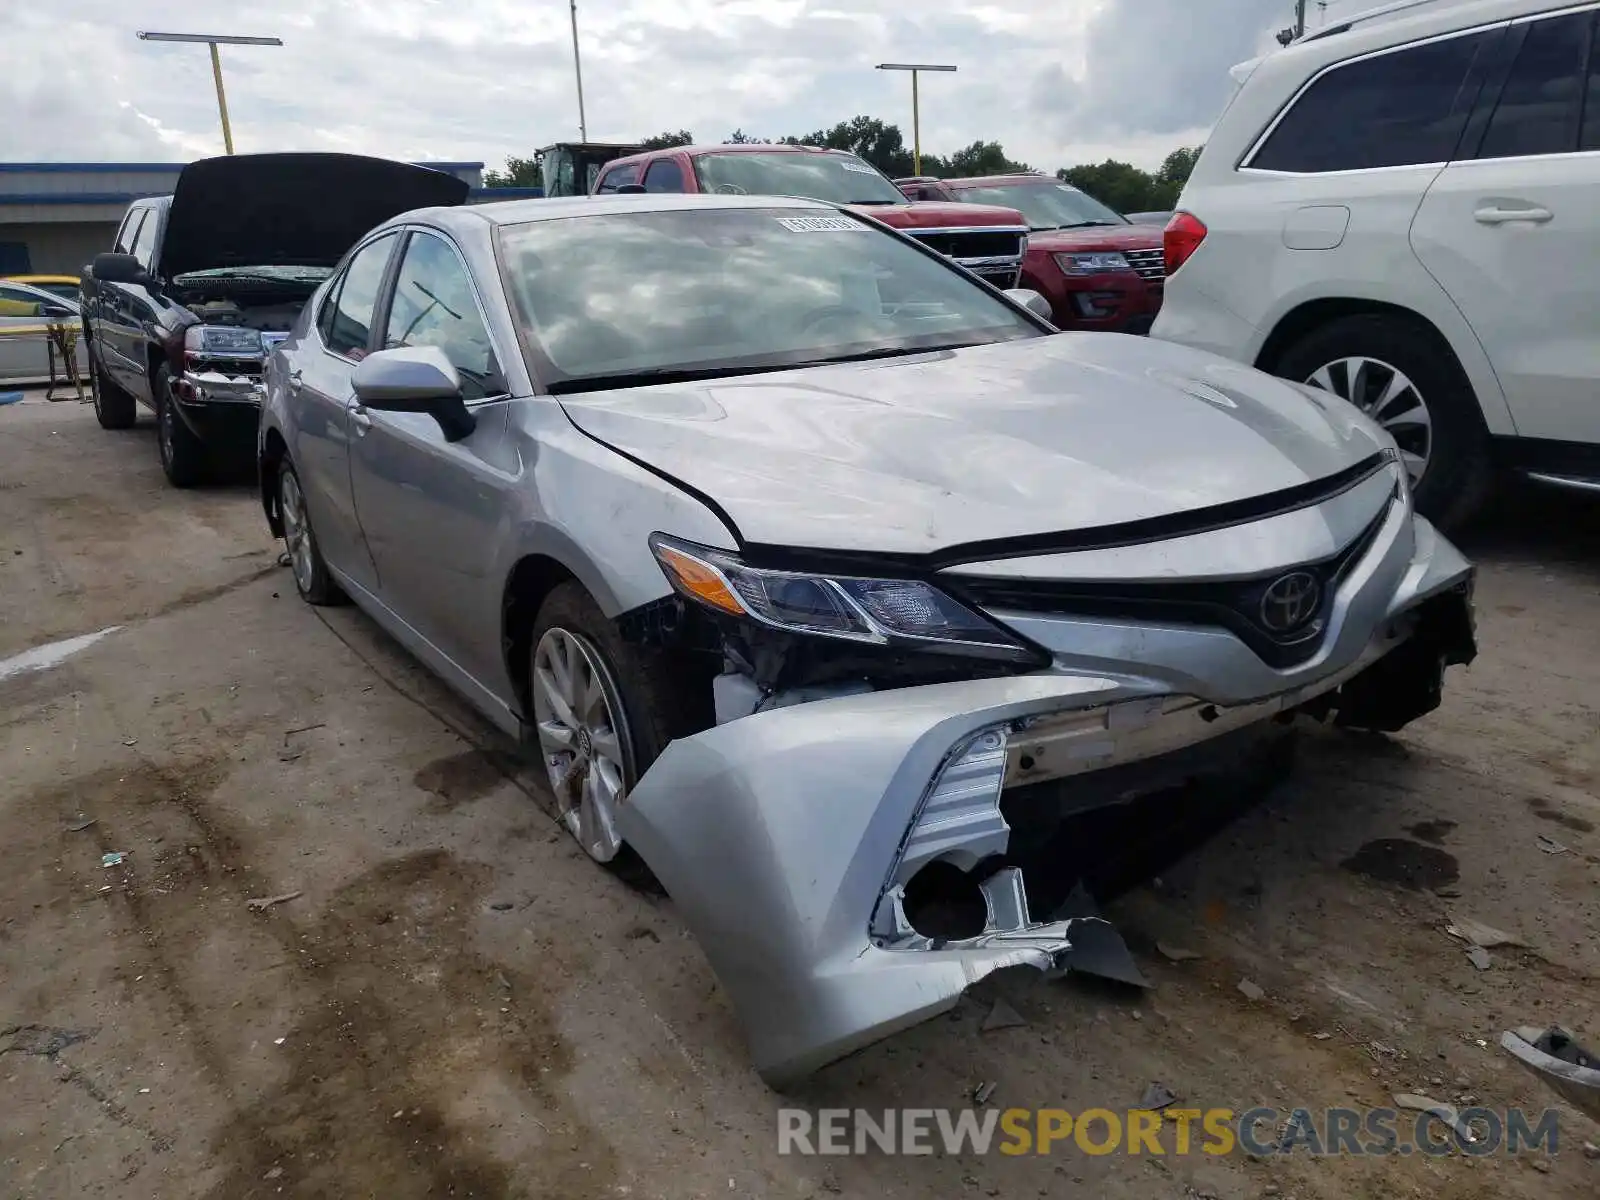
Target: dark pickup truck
(180, 314)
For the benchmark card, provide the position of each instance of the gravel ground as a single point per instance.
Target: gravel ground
(455, 1002)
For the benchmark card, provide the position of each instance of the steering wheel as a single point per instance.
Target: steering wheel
(818, 317)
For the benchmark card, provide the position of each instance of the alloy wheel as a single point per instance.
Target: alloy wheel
(1387, 395)
(164, 420)
(296, 531)
(583, 736)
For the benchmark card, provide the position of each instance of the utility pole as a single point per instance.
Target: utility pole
(916, 104)
(577, 70)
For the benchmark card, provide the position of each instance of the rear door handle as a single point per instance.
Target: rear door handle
(1493, 214)
(362, 422)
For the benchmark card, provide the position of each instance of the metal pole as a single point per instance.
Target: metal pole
(1299, 18)
(577, 70)
(222, 99)
(916, 128)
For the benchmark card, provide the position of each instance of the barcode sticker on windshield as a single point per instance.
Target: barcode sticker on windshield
(820, 224)
(860, 168)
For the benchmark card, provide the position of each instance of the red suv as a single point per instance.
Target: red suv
(1098, 269)
(988, 241)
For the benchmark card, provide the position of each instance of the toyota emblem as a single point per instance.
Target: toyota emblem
(1290, 602)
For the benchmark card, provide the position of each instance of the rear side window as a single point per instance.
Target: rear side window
(1398, 109)
(1590, 139)
(664, 175)
(1541, 106)
(617, 177)
(358, 297)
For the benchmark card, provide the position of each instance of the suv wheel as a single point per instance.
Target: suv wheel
(603, 710)
(1401, 375)
(113, 407)
(183, 454)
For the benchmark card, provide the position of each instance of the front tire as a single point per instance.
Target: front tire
(183, 454)
(1404, 376)
(114, 408)
(312, 579)
(603, 711)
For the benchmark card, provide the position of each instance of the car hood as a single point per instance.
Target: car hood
(1108, 237)
(289, 209)
(917, 455)
(941, 214)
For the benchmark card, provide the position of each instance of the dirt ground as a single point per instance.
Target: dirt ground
(455, 1002)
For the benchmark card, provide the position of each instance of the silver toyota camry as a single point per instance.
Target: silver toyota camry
(826, 579)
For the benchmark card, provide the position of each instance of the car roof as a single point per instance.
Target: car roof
(518, 212)
(730, 148)
(991, 180)
(27, 278)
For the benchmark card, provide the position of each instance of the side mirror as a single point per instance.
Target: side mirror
(1030, 300)
(119, 268)
(415, 379)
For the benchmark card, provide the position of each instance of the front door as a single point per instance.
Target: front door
(431, 509)
(1512, 231)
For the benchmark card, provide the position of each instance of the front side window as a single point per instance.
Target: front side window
(1541, 106)
(358, 296)
(1404, 108)
(837, 178)
(630, 297)
(433, 305)
(1046, 205)
(144, 242)
(617, 177)
(129, 230)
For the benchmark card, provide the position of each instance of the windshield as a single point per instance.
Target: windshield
(630, 298)
(1046, 205)
(837, 178)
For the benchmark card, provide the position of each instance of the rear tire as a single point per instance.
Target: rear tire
(183, 454)
(1459, 468)
(114, 408)
(645, 699)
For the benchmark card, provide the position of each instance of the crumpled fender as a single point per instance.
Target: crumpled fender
(776, 834)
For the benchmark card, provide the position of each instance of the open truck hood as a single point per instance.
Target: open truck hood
(285, 210)
(917, 455)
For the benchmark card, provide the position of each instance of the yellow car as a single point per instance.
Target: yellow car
(61, 285)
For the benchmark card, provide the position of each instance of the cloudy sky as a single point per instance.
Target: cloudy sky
(1057, 81)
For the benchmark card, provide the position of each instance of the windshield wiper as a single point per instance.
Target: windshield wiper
(652, 375)
(1089, 224)
(865, 202)
(886, 352)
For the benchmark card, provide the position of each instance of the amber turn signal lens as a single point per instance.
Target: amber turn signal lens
(696, 579)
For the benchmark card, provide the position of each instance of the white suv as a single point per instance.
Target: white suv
(1404, 209)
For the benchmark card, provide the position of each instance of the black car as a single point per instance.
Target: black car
(201, 284)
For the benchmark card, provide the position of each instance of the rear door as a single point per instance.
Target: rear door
(433, 511)
(1511, 229)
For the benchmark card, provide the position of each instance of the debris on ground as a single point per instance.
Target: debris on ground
(80, 826)
(1002, 1016)
(262, 903)
(1321, 1037)
(1550, 845)
(1479, 957)
(114, 858)
(1438, 1108)
(1476, 933)
(981, 1093)
(1175, 954)
(502, 906)
(1156, 1097)
(1252, 990)
(1591, 1151)
(130, 741)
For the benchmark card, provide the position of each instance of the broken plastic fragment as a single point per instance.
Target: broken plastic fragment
(113, 859)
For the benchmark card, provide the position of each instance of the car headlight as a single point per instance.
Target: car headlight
(222, 339)
(906, 613)
(1104, 263)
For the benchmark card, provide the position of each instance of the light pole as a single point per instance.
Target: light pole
(916, 107)
(577, 70)
(213, 40)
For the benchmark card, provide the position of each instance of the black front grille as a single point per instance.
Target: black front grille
(978, 244)
(1239, 605)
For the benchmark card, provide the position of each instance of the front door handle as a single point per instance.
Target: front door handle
(362, 422)
(296, 378)
(1493, 214)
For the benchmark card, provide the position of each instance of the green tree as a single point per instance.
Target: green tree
(519, 172)
(868, 138)
(980, 158)
(1174, 173)
(740, 138)
(1120, 185)
(663, 141)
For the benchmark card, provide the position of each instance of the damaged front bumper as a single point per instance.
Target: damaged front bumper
(792, 840)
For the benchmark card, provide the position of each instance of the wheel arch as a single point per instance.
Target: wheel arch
(274, 450)
(532, 578)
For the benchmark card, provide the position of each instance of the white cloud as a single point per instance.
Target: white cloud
(1057, 81)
